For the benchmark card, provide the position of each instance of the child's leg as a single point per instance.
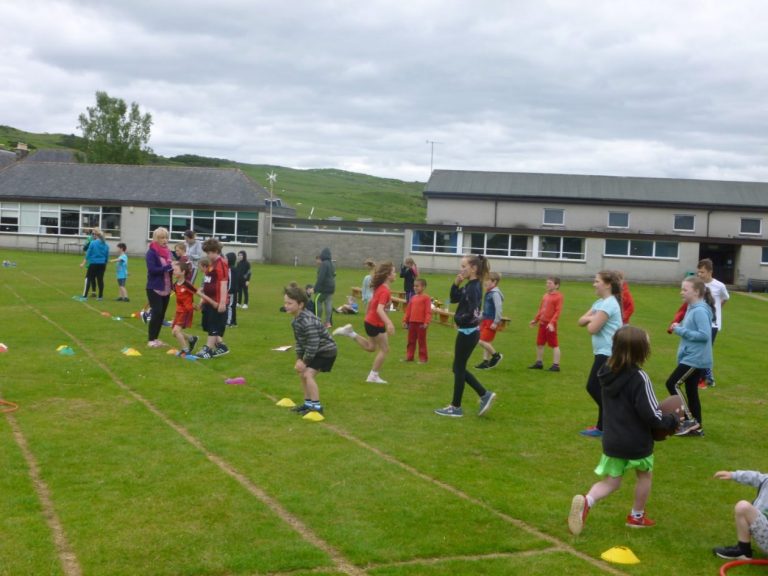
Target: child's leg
(422, 339)
(178, 333)
(410, 348)
(488, 349)
(308, 382)
(602, 489)
(365, 343)
(745, 514)
(642, 490)
(556, 355)
(539, 354)
(381, 343)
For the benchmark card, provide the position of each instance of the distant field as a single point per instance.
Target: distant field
(117, 465)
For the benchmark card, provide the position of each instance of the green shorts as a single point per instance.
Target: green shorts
(616, 467)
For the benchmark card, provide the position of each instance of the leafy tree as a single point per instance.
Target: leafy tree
(110, 136)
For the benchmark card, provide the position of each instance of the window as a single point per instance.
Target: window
(640, 248)
(499, 245)
(435, 242)
(554, 216)
(751, 226)
(227, 225)
(684, 223)
(618, 219)
(561, 248)
(9, 217)
(764, 258)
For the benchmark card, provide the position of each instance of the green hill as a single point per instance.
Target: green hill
(319, 192)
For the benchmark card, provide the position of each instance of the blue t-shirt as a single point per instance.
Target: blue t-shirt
(122, 267)
(602, 342)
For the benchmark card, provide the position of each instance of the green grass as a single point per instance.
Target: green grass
(155, 466)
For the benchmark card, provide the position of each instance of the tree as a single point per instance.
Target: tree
(110, 136)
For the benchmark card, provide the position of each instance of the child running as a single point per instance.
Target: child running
(315, 349)
(546, 318)
(378, 326)
(121, 271)
(185, 306)
(474, 269)
(492, 313)
(751, 519)
(630, 413)
(418, 314)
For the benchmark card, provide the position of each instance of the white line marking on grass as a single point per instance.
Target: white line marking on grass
(69, 562)
(340, 562)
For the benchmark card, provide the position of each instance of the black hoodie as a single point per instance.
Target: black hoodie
(630, 411)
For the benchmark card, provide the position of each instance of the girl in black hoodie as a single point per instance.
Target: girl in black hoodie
(631, 411)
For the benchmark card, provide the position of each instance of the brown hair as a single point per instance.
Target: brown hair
(704, 293)
(480, 264)
(555, 280)
(631, 348)
(494, 277)
(183, 266)
(612, 277)
(421, 281)
(296, 293)
(705, 263)
(212, 245)
(382, 272)
(181, 246)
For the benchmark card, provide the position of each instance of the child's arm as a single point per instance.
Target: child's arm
(701, 331)
(558, 306)
(383, 315)
(222, 306)
(497, 304)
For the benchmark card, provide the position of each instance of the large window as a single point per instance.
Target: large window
(228, 226)
(684, 223)
(618, 219)
(9, 217)
(561, 248)
(751, 226)
(500, 245)
(57, 220)
(435, 242)
(641, 248)
(554, 217)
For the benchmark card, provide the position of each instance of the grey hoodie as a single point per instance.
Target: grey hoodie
(326, 274)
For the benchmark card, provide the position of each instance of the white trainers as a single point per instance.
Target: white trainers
(345, 330)
(245, 306)
(375, 379)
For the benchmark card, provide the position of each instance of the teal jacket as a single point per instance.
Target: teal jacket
(695, 333)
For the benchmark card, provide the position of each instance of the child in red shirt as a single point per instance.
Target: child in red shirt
(184, 307)
(546, 319)
(418, 315)
(215, 290)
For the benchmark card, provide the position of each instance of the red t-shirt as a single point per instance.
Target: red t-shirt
(381, 295)
(184, 298)
(217, 272)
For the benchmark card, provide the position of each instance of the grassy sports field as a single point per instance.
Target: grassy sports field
(116, 465)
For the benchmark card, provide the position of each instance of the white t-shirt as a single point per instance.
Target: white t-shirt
(720, 294)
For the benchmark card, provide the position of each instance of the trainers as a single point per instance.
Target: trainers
(710, 382)
(245, 306)
(577, 517)
(554, 368)
(301, 408)
(345, 330)
(642, 522)
(495, 359)
(687, 427)
(146, 315)
(484, 365)
(375, 379)
(221, 349)
(155, 344)
(205, 353)
(695, 433)
(486, 401)
(702, 384)
(732, 553)
(592, 432)
(536, 366)
(192, 343)
(451, 411)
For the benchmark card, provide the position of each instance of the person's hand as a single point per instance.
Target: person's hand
(390, 328)
(299, 366)
(221, 307)
(532, 322)
(459, 279)
(551, 327)
(82, 264)
(673, 326)
(405, 324)
(494, 326)
(723, 475)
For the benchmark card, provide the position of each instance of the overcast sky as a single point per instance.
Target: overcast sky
(644, 88)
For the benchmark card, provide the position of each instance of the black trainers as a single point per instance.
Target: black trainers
(732, 553)
(554, 368)
(687, 427)
(536, 366)
(205, 353)
(192, 343)
(484, 365)
(495, 359)
(221, 349)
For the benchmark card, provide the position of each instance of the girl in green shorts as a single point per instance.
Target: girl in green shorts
(630, 413)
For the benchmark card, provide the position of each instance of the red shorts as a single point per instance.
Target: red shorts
(487, 334)
(183, 318)
(548, 337)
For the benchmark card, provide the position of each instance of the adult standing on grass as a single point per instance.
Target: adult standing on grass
(720, 296)
(158, 284)
(325, 286)
(378, 326)
(96, 258)
(695, 349)
(474, 270)
(631, 413)
(601, 321)
(194, 252)
(315, 349)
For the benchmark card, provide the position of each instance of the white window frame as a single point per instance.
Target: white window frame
(611, 212)
(691, 229)
(760, 224)
(551, 211)
(628, 254)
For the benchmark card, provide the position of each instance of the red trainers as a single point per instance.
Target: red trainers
(642, 522)
(577, 517)
(702, 384)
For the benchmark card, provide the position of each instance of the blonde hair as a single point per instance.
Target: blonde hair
(158, 233)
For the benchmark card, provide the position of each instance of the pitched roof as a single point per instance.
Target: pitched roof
(7, 158)
(120, 185)
(582, 189)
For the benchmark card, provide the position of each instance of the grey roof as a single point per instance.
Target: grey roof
(212, 188)
(597, 189)
(7, 158)
(51, 155)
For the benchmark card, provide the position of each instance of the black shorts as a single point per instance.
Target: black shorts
(322, 363)
(374, 331)
(214, 322)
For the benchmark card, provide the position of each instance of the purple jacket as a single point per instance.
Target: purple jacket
(156, 272)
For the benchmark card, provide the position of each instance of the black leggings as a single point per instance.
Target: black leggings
(158, 304)
(242, 294)
(691, 387)
(95, 277)
(465, 344)
(594, 389)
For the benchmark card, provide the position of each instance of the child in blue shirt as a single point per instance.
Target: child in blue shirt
(122, 272)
